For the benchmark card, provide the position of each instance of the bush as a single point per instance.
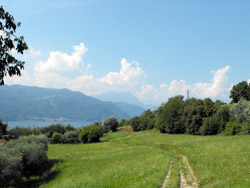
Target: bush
(91, 133)
(3, 129)
(245, 129)
(19, 131)
(232, 128)
(71, 137)
(22, 158)
(134, 122)
(210, 126)
(57, 138)
(122, 122)
(110, 124)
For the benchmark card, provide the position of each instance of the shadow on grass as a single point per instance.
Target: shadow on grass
(51, 174)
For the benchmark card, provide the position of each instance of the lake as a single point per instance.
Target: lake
(32, 124)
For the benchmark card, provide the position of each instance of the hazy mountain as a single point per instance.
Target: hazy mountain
(124, 97)
(34, 103)
(130, 109)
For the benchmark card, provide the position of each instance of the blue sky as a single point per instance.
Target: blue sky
(154, 49)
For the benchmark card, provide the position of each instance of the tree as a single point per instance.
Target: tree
(193, 114)
(170, 118)
(240, 90)
(110, 124)
(9, 65)
(240, 111)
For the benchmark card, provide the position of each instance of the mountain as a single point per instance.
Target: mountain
(35, 103)
(130, 109)
(125, 97)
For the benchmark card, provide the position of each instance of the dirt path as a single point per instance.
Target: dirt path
(187, 178)
(168, 174)
(187, 175)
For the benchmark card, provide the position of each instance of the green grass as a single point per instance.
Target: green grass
(128, 159)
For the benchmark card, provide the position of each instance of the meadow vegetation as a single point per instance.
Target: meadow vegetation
(141, 159)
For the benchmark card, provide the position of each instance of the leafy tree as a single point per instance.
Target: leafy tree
(240, 111)
(9, 65)
(147, 120)
(134, 122)
(110, 124)
(223, 115)
(232, 128)
(240, 90)
(170, 118)
(91, 133)
(210, 126)
(122, 122)
(71, 137)
(57, 138)
(209, 107)
(193, 115)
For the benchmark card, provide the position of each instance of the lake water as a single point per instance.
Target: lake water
(32, 124)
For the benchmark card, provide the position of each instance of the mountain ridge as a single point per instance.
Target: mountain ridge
(35, 103)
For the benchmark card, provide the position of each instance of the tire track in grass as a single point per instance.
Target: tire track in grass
(187, 175)
(168, 174)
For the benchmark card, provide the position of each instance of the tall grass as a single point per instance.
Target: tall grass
(128, 159)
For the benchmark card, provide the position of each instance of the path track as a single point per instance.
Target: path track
(187, 178)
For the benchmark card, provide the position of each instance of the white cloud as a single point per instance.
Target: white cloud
(62, 70)
(59, 62)
(216, 88)
(128, 75)
(249, 81)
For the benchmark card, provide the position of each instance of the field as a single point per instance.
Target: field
(143, 159)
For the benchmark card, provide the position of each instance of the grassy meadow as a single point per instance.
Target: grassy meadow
(141, 159)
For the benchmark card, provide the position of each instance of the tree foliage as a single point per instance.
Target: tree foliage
(240, 90)
(110, 124)
(9, 65)
(91, 133)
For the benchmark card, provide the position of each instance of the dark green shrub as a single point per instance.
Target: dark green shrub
(122, 122)
(91, 133)
(232, 128)
(3, 129)
(19, 131)
(210, 126)
(134, 122)
(245, 129)
(57, 138)
(110, 124)
(22, 158)
(10, 167)
(71, 137)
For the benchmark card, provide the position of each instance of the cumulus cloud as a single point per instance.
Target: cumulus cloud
(59, 62)
(128, 75)
(216, 88)
(62, 70)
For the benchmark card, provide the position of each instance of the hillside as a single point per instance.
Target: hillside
(125, 97)
(34, 103)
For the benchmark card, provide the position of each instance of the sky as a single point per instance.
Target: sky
(154, 49)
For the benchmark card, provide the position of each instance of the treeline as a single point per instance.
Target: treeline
(62, 134)
(199, 117)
